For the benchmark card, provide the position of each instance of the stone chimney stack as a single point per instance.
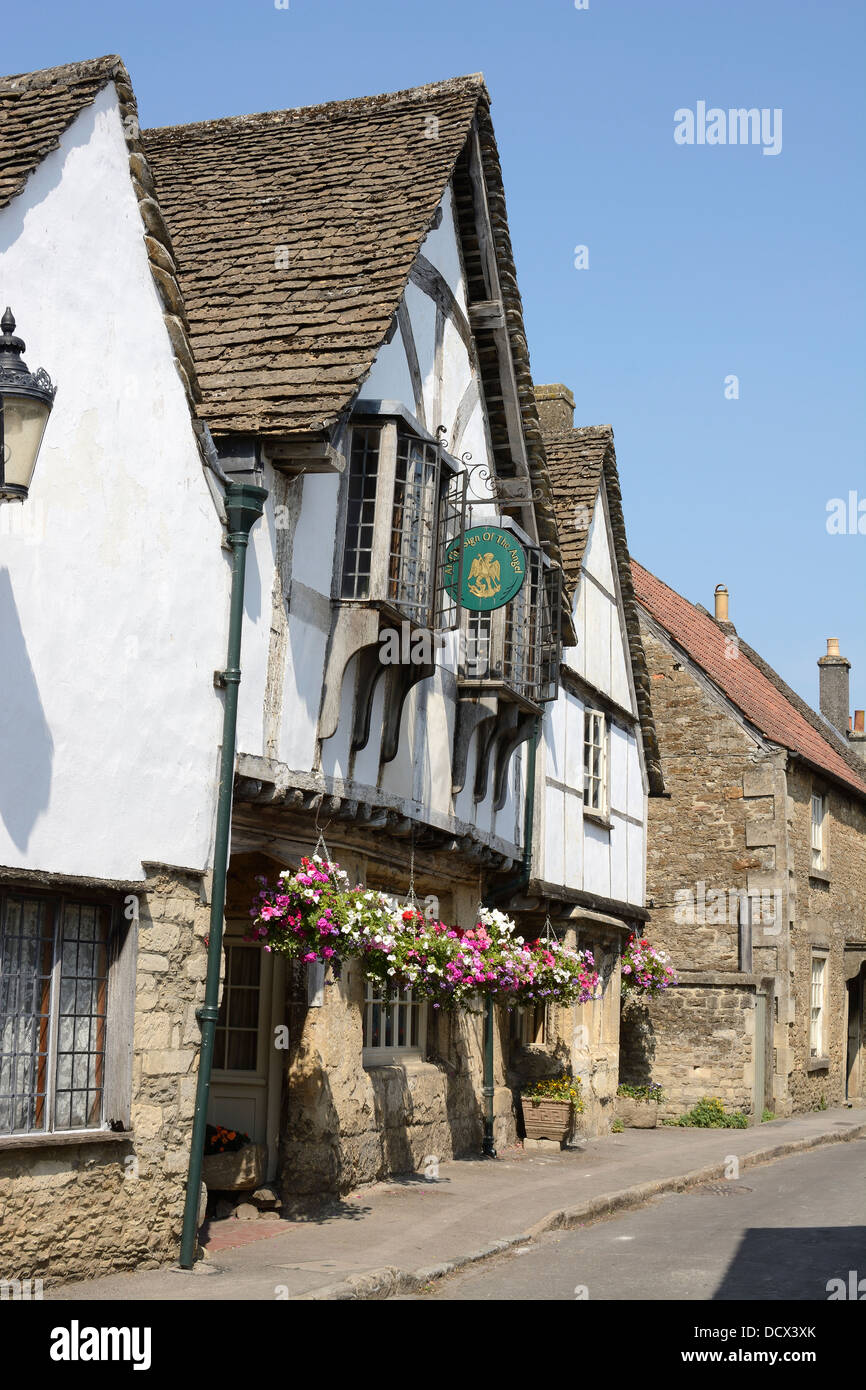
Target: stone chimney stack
(555, 408)
(833, 680)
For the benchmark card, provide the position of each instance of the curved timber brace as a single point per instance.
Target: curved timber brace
(353, 629)
(472, 715)
(506, 745)
(400, 680)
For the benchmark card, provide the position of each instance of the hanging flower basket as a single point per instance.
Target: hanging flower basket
(645, 970)
(314, 914)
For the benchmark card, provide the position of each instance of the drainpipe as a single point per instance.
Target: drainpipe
(244, 505)
(511, 885)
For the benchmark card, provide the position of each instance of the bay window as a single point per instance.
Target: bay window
(405, 503)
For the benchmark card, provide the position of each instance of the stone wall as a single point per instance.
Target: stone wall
(721, 832)
(116, 1203)
(695, 1040)
(831, 916)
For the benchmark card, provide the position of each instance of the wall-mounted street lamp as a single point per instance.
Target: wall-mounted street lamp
(26, 399)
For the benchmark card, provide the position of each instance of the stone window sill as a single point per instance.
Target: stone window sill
(71, 1139)
(399, 1060)
(818, 1064)
(819, 876)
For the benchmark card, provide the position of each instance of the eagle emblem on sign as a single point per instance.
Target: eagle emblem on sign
(484, 576)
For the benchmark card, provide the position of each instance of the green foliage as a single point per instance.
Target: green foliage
(710, 1113)
(821, 1104)
(651, 1092)
(617, 1127)
(767, 1115)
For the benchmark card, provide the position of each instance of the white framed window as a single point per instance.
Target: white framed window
(819, 855)
(818, 1006)
(64, 972)
(393, 1028)
(595, 761)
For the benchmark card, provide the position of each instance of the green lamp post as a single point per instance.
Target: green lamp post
(26, 399)
(244, 505)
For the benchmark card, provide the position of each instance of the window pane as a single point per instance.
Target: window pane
(82, 1006)
(411, 561)
(26, 956)
(358, 547)
(237, 1030)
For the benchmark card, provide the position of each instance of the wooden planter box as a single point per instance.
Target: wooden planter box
(547, 1118)
(637, 1114)
(235, 1172)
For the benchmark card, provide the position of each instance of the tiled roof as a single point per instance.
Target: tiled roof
(756, 690)
(37, 107)
(577, 462)
(295, 232)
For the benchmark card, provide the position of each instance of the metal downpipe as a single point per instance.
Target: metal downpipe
(244, 505)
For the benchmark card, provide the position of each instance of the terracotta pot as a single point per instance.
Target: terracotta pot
(235, 1172)
(546, 1118)
(637, 1114)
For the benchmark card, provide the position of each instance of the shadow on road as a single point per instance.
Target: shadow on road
(794, 1263)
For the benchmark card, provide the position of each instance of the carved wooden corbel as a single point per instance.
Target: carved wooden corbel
(506, 745)
(472, 715)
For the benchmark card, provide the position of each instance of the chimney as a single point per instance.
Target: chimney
(721, 604)
(833, 678)
(555, 408)
(857, 736)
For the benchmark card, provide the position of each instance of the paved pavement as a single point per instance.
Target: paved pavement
(780, 1231)
(396, 1236)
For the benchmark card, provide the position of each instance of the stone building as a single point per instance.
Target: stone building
(325, 300)
(756, 874)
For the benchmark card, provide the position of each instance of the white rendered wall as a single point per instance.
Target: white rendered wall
(113, 585)
(421, 771)
(577, 851)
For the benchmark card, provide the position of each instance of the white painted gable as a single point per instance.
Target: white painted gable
(113, 587)
(602, 655)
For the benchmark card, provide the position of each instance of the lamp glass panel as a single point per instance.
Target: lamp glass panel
(24, 421)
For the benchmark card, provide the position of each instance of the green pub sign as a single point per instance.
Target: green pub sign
(494, 568)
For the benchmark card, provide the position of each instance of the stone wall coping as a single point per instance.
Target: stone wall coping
(731, 979)
(64, 1140)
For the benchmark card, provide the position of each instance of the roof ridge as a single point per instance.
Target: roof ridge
(797, 704)
(108, 66)
(456, 85)
(822, 726)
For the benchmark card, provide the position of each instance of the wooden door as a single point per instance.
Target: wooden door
(246, 1080)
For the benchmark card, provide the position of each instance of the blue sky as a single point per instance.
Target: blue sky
(704, 261)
